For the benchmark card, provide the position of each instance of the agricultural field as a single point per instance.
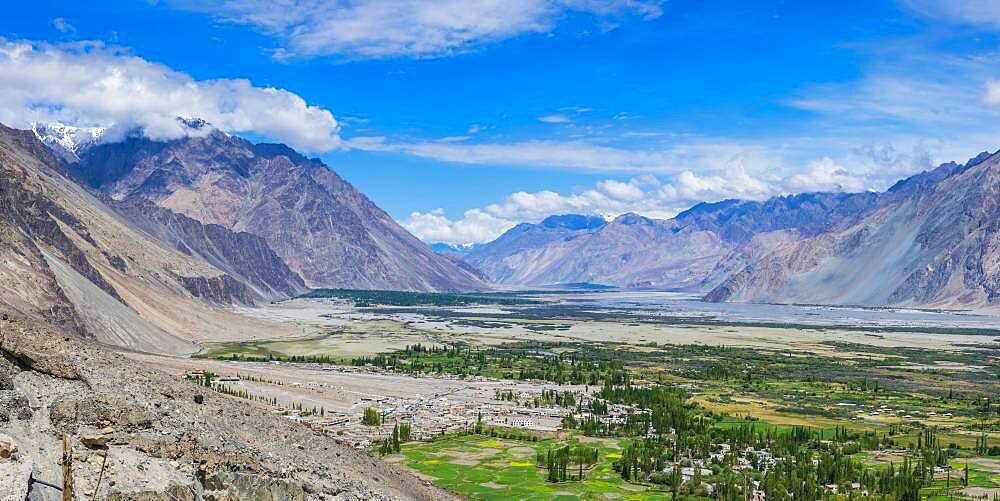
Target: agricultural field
(484, 467)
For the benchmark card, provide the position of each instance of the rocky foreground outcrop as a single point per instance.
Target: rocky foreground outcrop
(164, 439)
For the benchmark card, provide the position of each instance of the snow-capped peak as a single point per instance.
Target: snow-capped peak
(68, 138)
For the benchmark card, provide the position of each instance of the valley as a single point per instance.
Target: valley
(482, 387)
(570, 250)
(452, 380)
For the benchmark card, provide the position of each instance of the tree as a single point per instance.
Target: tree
(371, 417)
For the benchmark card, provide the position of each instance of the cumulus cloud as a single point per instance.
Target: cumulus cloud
(617, 190)
(646, 195)
(663, 195)
(87, 83)
(825, 175)
(476, 226)
(409, 28)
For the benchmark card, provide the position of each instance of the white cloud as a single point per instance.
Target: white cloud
(617, 190)
(555, 119)
(825, 175)
(476, 226)
(666, 179)
(410, 28)
(87, 83)
(906, 99)
(582, 155)
(646, 195)
(992, 95)
(941, 105)
(62, 25)
(734, 183)
(985, 12)
(656, 197)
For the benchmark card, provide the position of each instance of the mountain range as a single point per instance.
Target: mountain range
(123, 239)
(321, 226)
(933, 241)
(71, 260)
(929, 240)
(146, 244)
(689, 252)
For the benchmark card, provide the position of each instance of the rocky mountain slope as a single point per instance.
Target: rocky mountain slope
(69, 259)
(241, 255)
(700, 246)
(508, 259)
(935, 241)
(321, 226)
(163, 438)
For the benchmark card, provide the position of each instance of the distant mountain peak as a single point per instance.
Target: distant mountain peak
(938, 173)
(457, 250)
(978, 159)
(631, 218)
(574, 222)
(194, 123)
(68, 141)
(317, 223)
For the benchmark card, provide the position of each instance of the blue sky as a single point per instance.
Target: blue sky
(463, 118)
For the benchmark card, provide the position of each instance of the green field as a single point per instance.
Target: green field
(483, 467)
(983, 477)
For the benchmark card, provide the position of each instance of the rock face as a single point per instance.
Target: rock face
(508, 259)
(692, 251)
(158, 442)
(935, 241)
(321, 226)
(244, 257)
(69, 259)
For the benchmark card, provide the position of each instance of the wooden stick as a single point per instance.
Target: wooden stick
(67, 469)
(100, 476)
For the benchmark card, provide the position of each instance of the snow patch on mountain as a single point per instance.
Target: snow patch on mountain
(68, 141)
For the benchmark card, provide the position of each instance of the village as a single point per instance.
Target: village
(333, 399)
(434, 405)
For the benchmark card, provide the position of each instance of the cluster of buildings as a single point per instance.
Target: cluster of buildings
(430, 404)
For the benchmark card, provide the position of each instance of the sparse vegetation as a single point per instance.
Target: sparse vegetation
(368, 298)
(371, 417)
